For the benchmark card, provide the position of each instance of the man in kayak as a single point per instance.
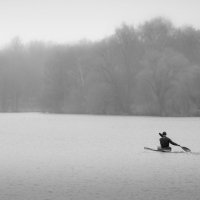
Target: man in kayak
(165, 141)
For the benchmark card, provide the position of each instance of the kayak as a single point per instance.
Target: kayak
(162, 150)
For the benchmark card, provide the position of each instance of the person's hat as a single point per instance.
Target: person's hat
(164, 133)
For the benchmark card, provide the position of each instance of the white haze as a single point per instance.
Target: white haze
(70, 21)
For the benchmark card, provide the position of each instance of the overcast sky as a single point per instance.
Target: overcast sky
(67, 21)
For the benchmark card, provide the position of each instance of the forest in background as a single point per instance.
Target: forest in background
(152, 69)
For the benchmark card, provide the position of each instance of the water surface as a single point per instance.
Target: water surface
(63, 157)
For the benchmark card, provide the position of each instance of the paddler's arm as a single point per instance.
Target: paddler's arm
(173, 143)
(160, 135)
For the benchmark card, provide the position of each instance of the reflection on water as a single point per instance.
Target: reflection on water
(194, 153)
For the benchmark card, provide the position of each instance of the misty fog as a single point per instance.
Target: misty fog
(152, 69)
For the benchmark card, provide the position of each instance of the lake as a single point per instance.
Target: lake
(71, 157)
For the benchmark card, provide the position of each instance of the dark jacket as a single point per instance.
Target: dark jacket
(165, 141)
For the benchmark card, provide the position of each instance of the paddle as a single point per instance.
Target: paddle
(186, 149)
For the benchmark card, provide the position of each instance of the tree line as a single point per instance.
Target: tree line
(152, 69)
